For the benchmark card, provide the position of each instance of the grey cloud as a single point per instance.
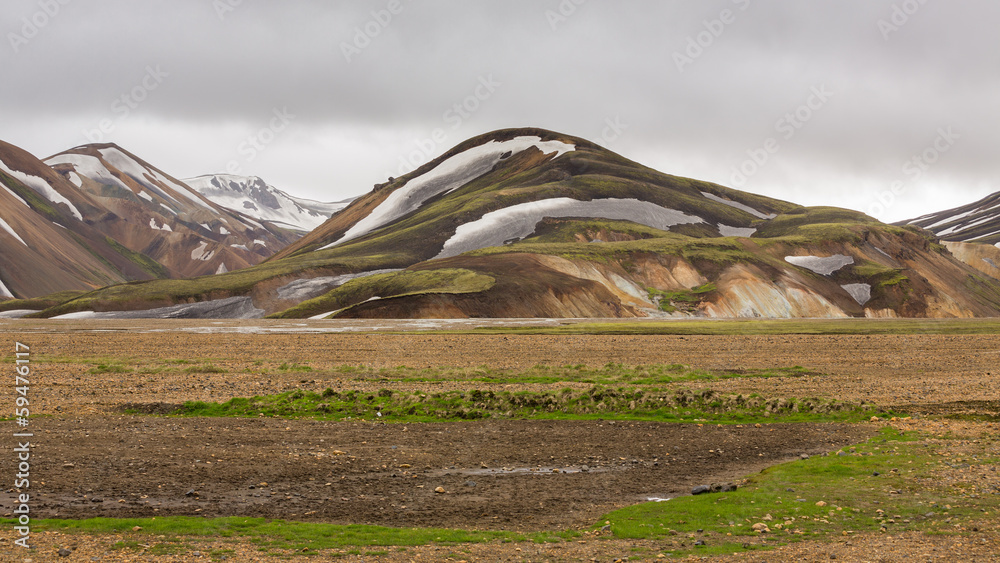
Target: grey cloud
(604, 60)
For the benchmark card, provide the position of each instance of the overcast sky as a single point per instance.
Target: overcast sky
(826, 102)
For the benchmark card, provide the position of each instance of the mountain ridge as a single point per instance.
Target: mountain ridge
(554, 225)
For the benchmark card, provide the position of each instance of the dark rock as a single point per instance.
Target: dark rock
(63, 552)
(723, 487)
(701, 489)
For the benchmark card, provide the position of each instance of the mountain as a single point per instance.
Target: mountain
(98, 215)
(532, 223)
(975, 222)
(45, 245)
(970, 232)
(150, 212)
(252, 196)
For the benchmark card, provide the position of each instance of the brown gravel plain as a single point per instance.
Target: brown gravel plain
(930, 374)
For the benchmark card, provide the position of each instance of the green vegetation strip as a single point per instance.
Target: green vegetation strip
(277, 534)
(597, 402)
(890, 483)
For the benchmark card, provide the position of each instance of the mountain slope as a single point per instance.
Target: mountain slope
(975, 222)
(150, 212)
(46, 244)
(528, 222)
(252, 196)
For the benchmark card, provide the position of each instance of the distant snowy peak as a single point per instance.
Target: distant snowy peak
(252, 196)
(449, 175)
(975, 222)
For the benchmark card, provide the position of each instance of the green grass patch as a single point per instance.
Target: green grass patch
(39, 303)
(625, 403)
(145, 263)
(170, 533)
(685, 300)
(109, 368)
(886, 484)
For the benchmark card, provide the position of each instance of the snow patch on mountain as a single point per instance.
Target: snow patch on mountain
(861, 292)
(42, 187)
(446, 177)
(307, 288)
(152, 225)
(228, 308)
(145, 196)
(727, 231)
(823, 265)
(254, 197)
(4, 292)
(202, 252)
(961, 226)
(739, 206)
(519, 221)
(10, 230)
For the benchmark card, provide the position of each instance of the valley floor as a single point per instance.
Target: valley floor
(523, 476)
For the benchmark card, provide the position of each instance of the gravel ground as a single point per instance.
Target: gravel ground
(939, 373)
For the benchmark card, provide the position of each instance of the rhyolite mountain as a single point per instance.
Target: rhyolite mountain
(532, 223)
(252, 196)
(971, 232)
(98, 215)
